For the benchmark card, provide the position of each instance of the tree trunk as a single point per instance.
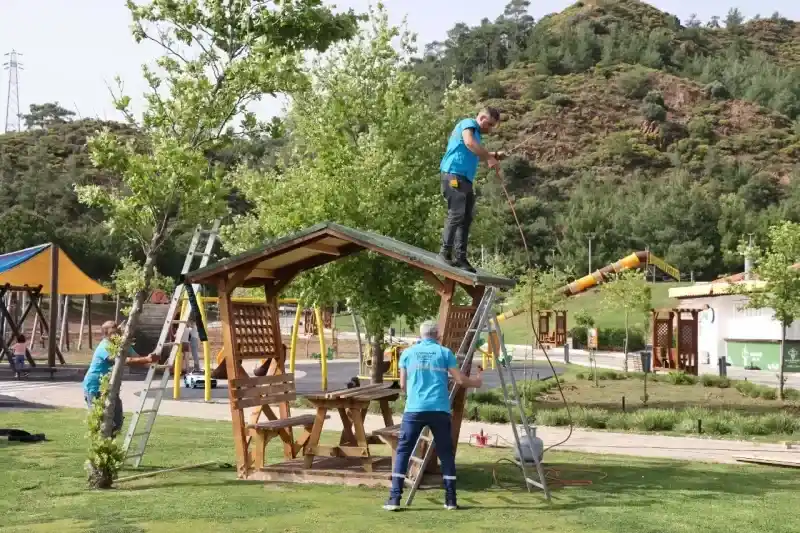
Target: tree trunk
(377, 359)
(783, 353)
(357, 329)
(115, 382)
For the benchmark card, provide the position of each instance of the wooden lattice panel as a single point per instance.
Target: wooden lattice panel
(687, 344)
(458, 321)
(662, 343)
(253, 331)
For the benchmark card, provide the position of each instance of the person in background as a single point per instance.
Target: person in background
(424, 369)
(191, 338)
(102, 363)
(19, 351)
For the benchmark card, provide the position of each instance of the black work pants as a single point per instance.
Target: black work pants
(460, 206)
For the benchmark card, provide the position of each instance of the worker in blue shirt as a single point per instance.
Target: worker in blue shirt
(424, 369)
(458, 168)
(102, 363)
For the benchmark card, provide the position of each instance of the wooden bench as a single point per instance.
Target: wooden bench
(261, 392)
(391, 436)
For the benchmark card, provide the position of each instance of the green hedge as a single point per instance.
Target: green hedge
(611, 339)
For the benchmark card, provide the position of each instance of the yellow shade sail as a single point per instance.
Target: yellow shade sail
(32, 266)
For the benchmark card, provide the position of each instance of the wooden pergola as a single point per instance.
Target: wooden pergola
(249, 332)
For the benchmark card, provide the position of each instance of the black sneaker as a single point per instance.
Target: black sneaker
(392, 504)
(445, 258)
(464, 265)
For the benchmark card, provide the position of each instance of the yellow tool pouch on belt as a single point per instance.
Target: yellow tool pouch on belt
(454, 183)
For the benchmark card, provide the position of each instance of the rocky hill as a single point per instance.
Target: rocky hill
(634, 128)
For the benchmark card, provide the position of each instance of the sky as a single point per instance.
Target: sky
(73, 54)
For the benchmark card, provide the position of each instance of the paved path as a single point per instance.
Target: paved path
(70, 395)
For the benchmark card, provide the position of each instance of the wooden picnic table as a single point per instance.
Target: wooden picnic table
(352, 405)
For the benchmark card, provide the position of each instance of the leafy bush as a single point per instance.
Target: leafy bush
(494, 414)
(681, 378)
(768, 394)
(720, 423)
(754, 390)
(654, 112)
(492, 396)
(710, 380)
(656, 98)
(591, 418)
(634, 83)
(609, 338)
(619, 421)
(552, 417)
(580, 375)
(560, 100)
(717, 90)
(537, 90)
(584, 319)
(700, 128)
(654, 420)
(791, 394)
(489, 87)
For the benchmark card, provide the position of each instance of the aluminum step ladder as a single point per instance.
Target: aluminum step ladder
(480, 323)
(144, 417)
(516, 410)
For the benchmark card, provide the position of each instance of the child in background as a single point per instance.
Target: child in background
(19, 349)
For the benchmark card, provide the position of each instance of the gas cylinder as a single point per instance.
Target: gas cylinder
(538, 446)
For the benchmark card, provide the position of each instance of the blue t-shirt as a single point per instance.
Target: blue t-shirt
(100, 366)
(427, 364)
(458, 159)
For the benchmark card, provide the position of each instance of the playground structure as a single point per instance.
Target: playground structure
(643, 259)
(675, 340)
(557, 337)
(26, 276)
(250, 334)
(652, 264)
(156, 314)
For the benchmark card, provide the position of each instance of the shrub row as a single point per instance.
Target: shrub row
(683, 421)
(611, 339)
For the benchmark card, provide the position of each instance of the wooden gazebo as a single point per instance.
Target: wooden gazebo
(252, 331)
(675, 340)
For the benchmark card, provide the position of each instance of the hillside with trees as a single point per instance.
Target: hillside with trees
(625, 125)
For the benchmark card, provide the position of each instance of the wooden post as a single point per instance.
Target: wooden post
(63, 337)
(89, 320)
(83, 321)
(51, 336)
(33, 331)
(237, 415)
(116, 311)
(279, 366)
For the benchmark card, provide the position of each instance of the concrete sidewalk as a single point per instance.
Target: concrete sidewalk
(629, 444)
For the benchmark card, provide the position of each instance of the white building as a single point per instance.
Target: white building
(748, 338)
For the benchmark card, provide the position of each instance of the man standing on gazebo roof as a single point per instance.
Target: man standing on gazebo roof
(458, 168)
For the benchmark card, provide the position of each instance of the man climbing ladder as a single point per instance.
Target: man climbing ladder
(424, 369)
(458, 168)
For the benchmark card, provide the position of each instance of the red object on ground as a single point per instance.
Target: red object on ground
(481, 440)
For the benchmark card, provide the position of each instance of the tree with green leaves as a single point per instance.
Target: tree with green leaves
(367, 150)
(629, 293)
(779, 279)
(43, 115)
(538, 290)
(219, 57)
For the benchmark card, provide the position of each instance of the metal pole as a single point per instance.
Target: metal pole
(590, 254)
(51, 337)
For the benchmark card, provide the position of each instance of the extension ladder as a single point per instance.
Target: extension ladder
(480, 323)
(144, 417)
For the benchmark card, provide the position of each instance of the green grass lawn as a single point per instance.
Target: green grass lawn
(518, 329)
(44, 490)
